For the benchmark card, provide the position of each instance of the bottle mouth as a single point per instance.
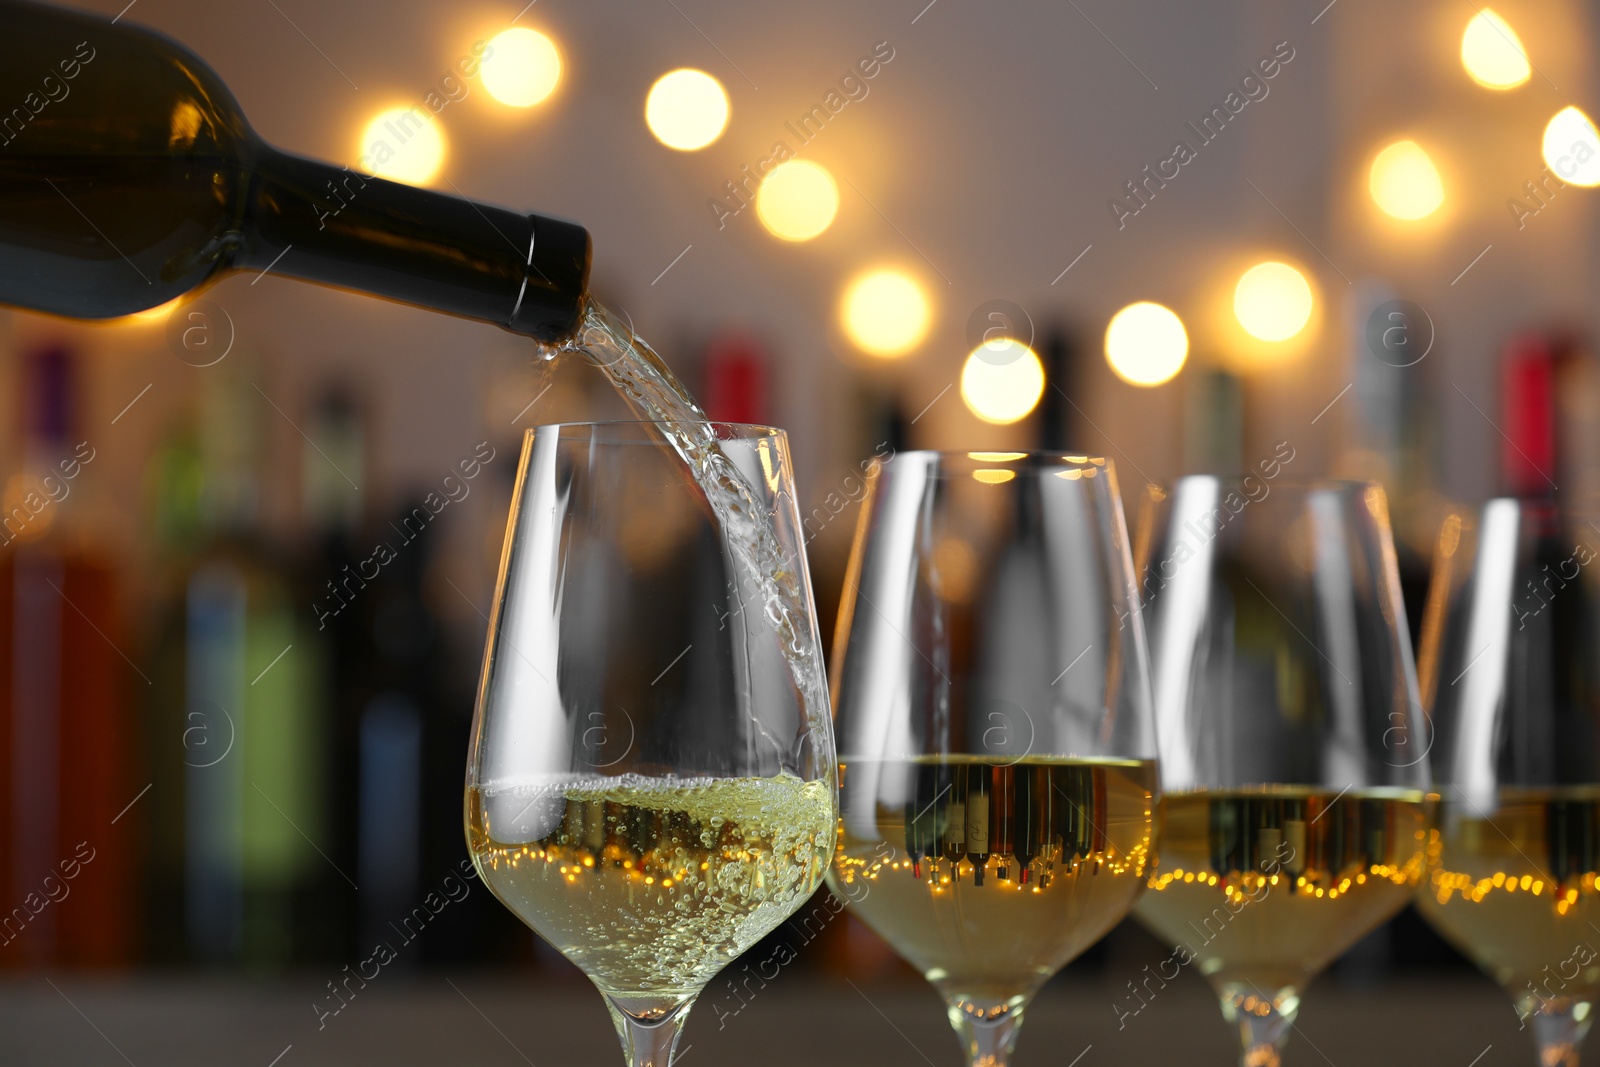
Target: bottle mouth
(555, 286)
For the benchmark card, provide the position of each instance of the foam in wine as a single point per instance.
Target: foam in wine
(992, 876)
(652, 885)
(1264, 888)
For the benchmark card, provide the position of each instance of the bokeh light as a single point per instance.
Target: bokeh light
(687, 109)
(885, 312)
(1272, 301)
(1404, 182)
(798, 200)
(156, 314)
(1492, 53)
(1002, 382)
(402, 144)
(521, 68)
(1146, 344)
(1572, 147)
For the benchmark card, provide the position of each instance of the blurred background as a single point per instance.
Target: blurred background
(1184, 237)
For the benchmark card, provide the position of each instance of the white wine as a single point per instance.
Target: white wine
(652, 885)
(1262, 889)
(1514, 889)
(993, 876)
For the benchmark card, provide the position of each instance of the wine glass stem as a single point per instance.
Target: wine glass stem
(988, 1042)
(649, 1041)
(1264, 1022)
(1557, 1029)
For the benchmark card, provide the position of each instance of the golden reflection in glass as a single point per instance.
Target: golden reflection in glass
(1514, 888)
(1266, 887)
(992, 874)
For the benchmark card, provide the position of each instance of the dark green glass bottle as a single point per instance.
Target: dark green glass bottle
(129, 177)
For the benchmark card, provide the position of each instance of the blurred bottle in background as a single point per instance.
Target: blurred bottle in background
(333, 470)
(1390, 432)
(735, 379)
(1550, 390)
(235, 722)
(1063, 427)
(67, 869)
(1214, 424)
(1578, 416)
(1528, 413)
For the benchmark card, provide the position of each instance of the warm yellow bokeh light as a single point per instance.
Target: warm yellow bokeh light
(885, 312)
(1572, 147)
(152, 315)
(687, 109)
(1146, 343)
(1001, 383)
(798, 200)
(1492, 52)
(402, 144)
(521, 68)
(1404, 181)
(1272, 301)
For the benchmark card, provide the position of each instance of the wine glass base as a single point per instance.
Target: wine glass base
(988, 1034)
(649, 1027)
(1264, 1020)
(1559, 1025)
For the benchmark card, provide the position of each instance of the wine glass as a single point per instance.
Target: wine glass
(1510, 659)
(997, 764)
(651, 785)
(1293, 768)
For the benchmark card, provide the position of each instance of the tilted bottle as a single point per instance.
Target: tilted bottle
(129, 177)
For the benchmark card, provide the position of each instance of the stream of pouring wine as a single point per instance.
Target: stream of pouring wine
(651, 389)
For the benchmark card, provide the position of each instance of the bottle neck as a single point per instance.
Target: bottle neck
(328, 224)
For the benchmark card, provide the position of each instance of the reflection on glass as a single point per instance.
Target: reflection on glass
(1511, 657)
(997, 769)
(1294, 780)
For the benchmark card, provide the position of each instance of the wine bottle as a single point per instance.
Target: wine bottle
(954, 839)
(978, 821)
(920, 820)
(64, 708)
(1214, 424)
(736, 380)
(1391, 430)
(1002, 818)
(129, 177)
(1528, 449)
(332, 590)
(1062, 423)
(1026, 845)
(238, 684)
